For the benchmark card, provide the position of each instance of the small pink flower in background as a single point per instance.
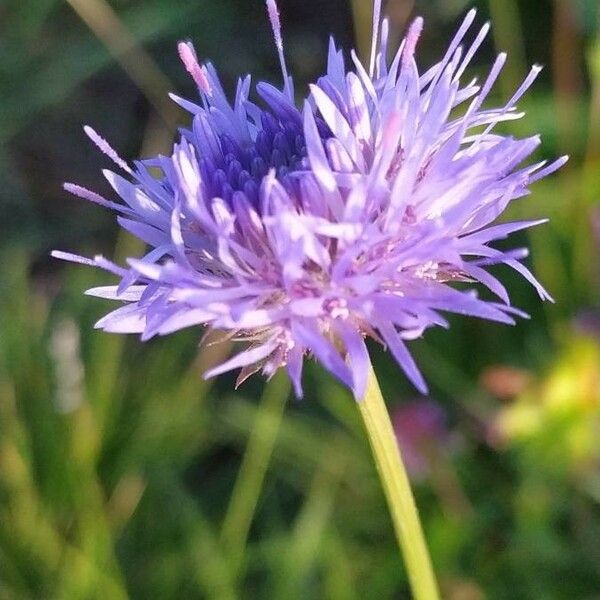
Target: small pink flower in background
(422, 433)
(587, 322)
(428, 447)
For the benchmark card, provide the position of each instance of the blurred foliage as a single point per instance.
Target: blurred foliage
(124, 475)
(556, 422)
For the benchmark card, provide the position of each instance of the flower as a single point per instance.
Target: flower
(304, 231)
(422, 433)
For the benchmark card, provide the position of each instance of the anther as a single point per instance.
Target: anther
(412, 37)
(273, 12)
(376, 22)
(193, 67)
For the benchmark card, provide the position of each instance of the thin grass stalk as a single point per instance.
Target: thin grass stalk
(250, 479)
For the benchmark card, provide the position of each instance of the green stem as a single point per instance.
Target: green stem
(398, 492)
(249, 482)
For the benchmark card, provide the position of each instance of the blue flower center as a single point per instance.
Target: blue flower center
(278, 145)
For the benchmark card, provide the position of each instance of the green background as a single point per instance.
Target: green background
(124, 475)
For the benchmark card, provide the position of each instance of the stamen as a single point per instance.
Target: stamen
(412, 37)
(487, 86)
(86, 194)
(438, 70)
(273, 12)
(72, 258)
(531, 77)
(376, 22)
(106, 148)
(383, 48)
(193, 67)
(472, 50)
(557, 164)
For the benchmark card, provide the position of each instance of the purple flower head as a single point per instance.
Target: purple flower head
(302, 232)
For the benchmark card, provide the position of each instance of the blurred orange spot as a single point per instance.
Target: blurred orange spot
(505, 382)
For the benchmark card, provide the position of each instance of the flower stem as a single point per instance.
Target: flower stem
(396, 486)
